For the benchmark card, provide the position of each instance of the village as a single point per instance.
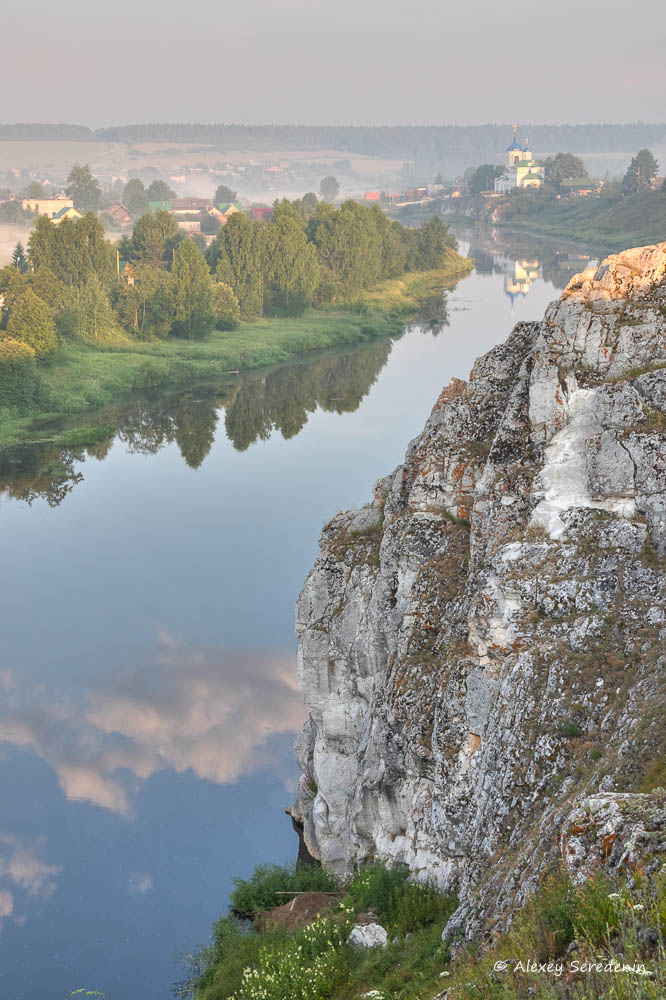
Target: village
(180, 189)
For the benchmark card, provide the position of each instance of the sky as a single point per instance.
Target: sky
(333, 61)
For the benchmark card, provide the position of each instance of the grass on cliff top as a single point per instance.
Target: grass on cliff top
(80, 377)
(596, 923)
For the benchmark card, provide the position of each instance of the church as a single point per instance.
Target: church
(520, 170)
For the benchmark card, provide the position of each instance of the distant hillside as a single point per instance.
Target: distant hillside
(34, 132)
(452, 147)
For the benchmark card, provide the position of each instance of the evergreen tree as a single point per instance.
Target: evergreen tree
(40, 244)
(94, 315)
(191, 293)
(154, 239)
(308, 204)
(236, 256)
(79, 250)
(642, 169)
(30, 322)
(52, 291)
(144, 307)
(227, 310)
(291, 268)
(19, 259)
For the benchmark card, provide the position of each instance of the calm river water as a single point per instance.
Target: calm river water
(147, 665)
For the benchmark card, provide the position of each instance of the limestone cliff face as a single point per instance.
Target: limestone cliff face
(482, 646)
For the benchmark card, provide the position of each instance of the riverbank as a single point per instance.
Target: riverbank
(599, 225)
(596, 223)
(79, 377)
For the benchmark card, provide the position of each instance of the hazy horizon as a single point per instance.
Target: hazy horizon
(324, 64)
(523, 125)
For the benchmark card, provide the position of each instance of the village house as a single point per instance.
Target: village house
(579, 188)
(189, 225)
(125, 271)
(119, 214)
(263, 213)
(55, 209)
(188, 206)
(520, 170)
(228, 208)
(68, 212)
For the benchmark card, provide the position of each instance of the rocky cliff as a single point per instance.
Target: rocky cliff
(481, 648)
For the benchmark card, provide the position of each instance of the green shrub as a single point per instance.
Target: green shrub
(259, 892)
(18, 373)
(570, 730)
(400, 905)
(31, 322)
(80, 437)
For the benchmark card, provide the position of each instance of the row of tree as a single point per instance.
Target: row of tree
(71, 282)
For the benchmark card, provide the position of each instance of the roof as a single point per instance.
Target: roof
(514, 145)
(193, 204)
(224, 206)
(63, 212)
(157, 206)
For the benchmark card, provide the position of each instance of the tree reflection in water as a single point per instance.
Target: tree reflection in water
(256, 405)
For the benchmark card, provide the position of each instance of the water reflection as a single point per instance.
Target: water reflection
(41, 471)
(283, 400)
(24, 875)
(255, 406)
(522, 260)
(206, 710)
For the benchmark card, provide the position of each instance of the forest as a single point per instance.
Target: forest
(427, 143)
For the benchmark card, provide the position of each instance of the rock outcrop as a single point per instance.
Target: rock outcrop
(481, 648)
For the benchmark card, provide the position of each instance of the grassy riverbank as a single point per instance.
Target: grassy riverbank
(579, 930)
(80, 377)
(597, 223)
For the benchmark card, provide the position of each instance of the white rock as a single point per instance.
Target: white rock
(368, 936)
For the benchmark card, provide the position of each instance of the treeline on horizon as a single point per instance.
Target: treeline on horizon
(422, 142)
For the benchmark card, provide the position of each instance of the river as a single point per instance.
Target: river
(147, 669)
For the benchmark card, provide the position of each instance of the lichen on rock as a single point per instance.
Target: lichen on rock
(481, 647)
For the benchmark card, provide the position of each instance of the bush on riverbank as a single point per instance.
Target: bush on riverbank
(259, 892)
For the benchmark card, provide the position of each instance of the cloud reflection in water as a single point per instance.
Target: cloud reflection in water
(190, 708)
